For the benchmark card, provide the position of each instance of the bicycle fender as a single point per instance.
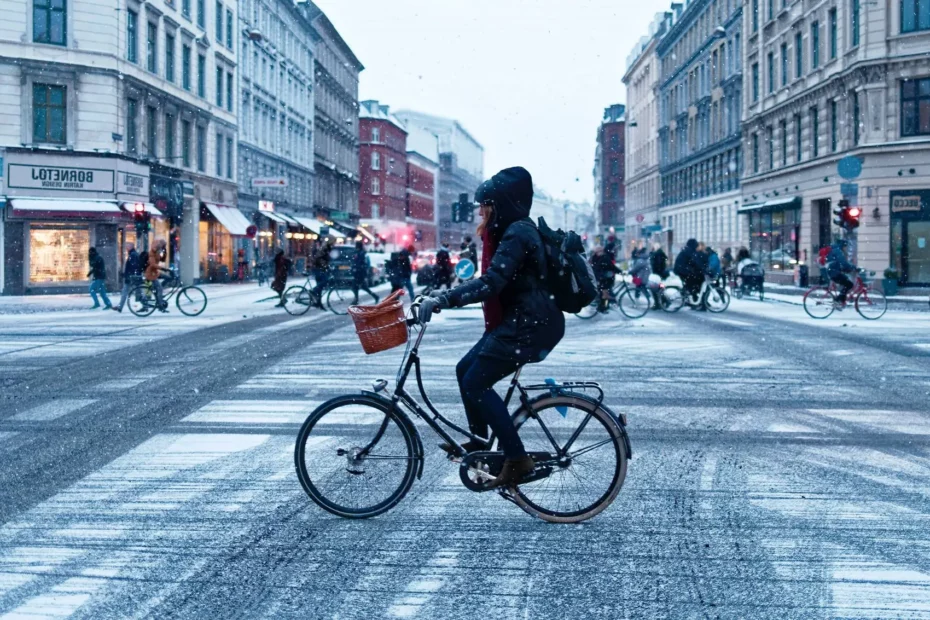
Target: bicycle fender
(619, 417)
(411, 427)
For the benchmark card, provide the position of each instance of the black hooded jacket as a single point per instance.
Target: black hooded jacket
(689, 264)
(532, 324)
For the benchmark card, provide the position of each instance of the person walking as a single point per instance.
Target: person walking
(153, 273)
(98, 282)
(361, 272)
(282, 265)
(321, 260)
(132, 275)
(531, 323)
(444, 269)
(406, 268)
(658, 261)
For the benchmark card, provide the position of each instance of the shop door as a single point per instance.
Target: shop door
(917, 253)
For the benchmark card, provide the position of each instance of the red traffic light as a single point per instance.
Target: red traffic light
(855, 212)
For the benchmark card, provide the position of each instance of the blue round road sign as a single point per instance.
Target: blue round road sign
(849, 167)
(465, 269)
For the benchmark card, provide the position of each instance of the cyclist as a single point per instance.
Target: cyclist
(713, 269)
(153, 272)
(605, 272)
(530, 326)
(282, 265)
(321, 258)
(689, 266)
(837, 268)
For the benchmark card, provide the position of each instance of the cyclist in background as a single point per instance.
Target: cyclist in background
(837, 268)
(605, 272)
(321, 258)
(153, 272)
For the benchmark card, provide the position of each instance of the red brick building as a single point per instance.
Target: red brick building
(609, 173)
(382, 201)
(421, 199)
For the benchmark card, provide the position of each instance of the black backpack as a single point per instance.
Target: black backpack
(570, 277)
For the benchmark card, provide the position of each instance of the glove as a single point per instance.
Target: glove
(430, 305)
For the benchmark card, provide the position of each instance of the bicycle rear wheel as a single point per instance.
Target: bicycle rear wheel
(635, 302)
(716, 299)
(589, 311)
(297, 300)
(356, 456)
(338, 301)
(141, 300)
(871, 304)
(588, 478)
(671, 298)
(191, 300)
(818, 303)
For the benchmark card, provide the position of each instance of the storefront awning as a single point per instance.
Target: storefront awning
(312, 224)
(788, 202)
(230, 217)
(37, 207)
(274, 217)
(290, 220)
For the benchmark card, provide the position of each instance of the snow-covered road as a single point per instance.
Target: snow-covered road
(779, 471)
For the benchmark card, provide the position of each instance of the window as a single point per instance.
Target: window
(798, 55)
(770, 138)
(186, 8)
(49, 114)
(815, 132)
(755, 81)
(219, 86)
(170, 128)
(784, 143)
(151, 61)
(855, 100)
(815, 45)
(219, 154)
(186, 143)
(784, 64)
(797, 137)
(229, 91)
(834, 121)
(151, 131)
(755, 15)
(186, 67)
(854, 21)
(132, 113)
(219, 23)
(915, 15)
(132, 24)
(229, 28)
(375, 186)
(375, 134)
(201, 75)
(915, 107)
(614, 167)
(376, 161)
(755, 152)
(833, 34)
(771, 9)
(202, 14)
(614, 190)
(229, 158)
(771, 72)
(201, 148)
(49, 22)
(169, 57)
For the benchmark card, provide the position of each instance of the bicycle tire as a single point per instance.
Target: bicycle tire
(816, 298)
(671, 299)
(297, 300)
(589, 311)
(141, 300)
(337, 300)
(723, 295)
(874, 299)
(532, 496)
(195, 300)
(637, 305)
(403, 432)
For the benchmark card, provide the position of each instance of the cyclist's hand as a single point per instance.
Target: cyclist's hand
(430, 305)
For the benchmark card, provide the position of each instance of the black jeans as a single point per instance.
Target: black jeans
(477, 375)
(362, 284)
(845, 284)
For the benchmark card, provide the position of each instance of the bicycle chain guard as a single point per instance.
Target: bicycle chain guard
(479, 468)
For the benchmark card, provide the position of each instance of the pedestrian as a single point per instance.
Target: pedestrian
(406, 268)
(132, 275)
(153, 271)
(321, 260)
(282, 265)
(469, 251)
(611, 247)
(531, 323)
(98, 282)
(444, 269)
(658, 261)
(361, 272)
(639, 264)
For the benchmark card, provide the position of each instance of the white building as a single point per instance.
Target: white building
(108, 104)
(826, 80)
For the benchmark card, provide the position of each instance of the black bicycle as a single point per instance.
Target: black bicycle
(190, 300)
(301, 297)
(358, 455)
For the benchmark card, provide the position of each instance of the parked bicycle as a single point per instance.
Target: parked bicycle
(822, 301)
(190, 300)
(358, 455)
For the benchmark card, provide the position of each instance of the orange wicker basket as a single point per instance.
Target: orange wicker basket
(382, 326)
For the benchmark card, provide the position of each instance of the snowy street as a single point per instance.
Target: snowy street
(779, 470)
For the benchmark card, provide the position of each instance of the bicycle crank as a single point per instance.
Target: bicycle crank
(480, 468)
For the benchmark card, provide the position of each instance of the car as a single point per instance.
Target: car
(340, 264)
(378, 258)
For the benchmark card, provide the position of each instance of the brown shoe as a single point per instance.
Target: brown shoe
(513, 472)
(469, 446)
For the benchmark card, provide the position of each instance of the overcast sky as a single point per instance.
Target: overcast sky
(529, 79)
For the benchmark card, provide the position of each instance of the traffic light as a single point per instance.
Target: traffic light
(852, 217)
(839, 220)
(455, 212)
(847, 217)
(140, 218)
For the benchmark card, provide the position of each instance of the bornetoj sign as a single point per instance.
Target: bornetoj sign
(57, 178)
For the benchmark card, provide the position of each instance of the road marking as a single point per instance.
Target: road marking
(52, 410)
(733, 322)
(428, 581)
(751, 363)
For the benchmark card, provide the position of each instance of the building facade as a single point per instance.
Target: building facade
(276, 114)
(609, 171)
(700, 81)
(336, 109)
(829, 80)
(105, 106)
(641, 147)
(461, 168)
(423, 188)
(382, 200)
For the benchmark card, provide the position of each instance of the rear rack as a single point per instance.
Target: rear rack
(559, 389)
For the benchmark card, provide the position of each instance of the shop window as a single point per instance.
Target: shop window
(774, 238)
(49, 114)
(49, 22)
(915, 15)
(915, 107)
(58, 254)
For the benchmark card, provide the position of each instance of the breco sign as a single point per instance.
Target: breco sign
(60, 178)
(902, 204)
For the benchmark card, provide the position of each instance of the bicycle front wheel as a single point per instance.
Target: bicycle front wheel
(338, 301)
(671, 298)
(356, 456)
(716, 299)
(191, 300)
(588, 458)
(297, 300)
(589, 311)
(635, 303)
(818, 303)
(141, 300)
(871, 304)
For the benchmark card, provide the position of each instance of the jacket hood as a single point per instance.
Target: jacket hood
(692, 244)
(511, 191)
